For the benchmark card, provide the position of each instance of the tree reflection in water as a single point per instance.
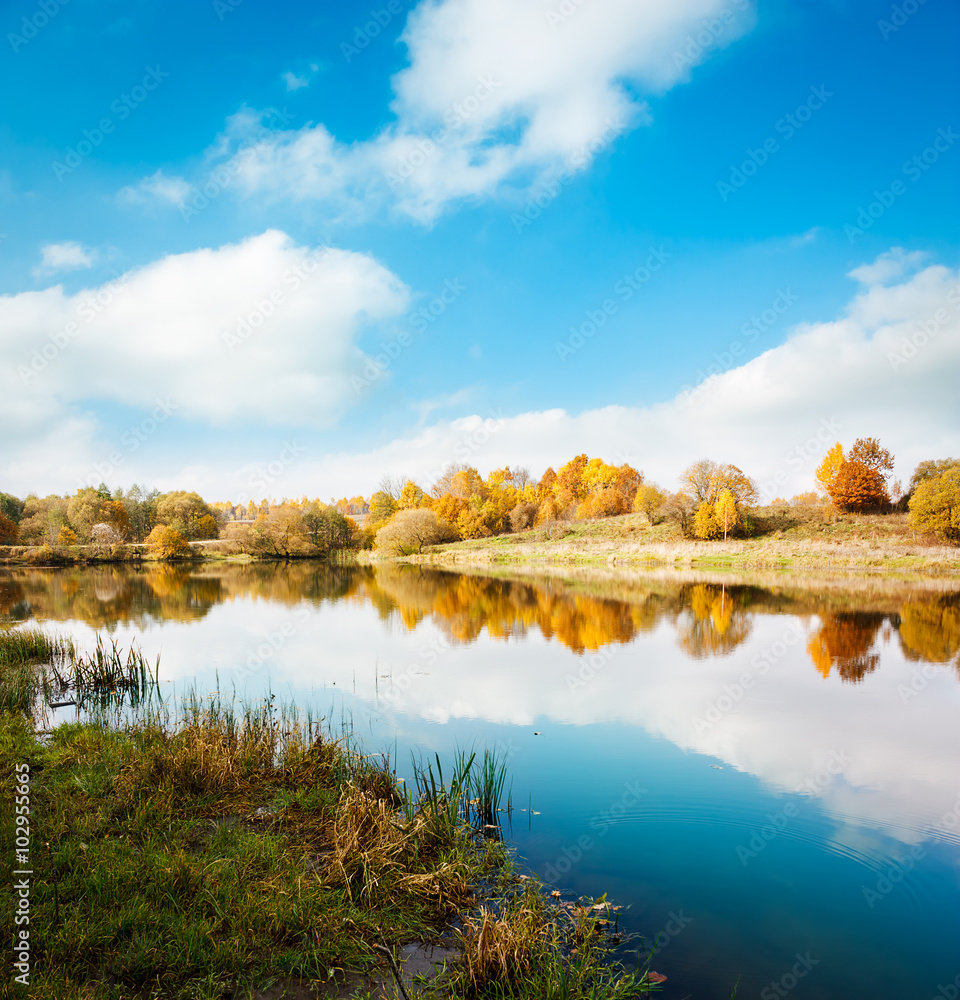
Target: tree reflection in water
(710, 619)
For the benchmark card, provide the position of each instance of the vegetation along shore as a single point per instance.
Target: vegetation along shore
(856, 518)
(209, 849)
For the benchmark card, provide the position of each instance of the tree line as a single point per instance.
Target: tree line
(715, 501)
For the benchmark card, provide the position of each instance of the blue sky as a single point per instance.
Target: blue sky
(719, 152)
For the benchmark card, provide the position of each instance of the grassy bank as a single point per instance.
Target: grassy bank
(211, 850)
(788, 538)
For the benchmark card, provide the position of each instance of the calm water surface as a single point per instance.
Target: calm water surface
(766, 775)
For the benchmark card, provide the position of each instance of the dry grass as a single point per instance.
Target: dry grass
(804, 539)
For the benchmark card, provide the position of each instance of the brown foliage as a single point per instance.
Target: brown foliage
(858, 487)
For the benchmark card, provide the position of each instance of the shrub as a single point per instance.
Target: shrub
(167, 543)
(409, 530)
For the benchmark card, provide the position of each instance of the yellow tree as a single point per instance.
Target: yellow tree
(827, 470)
(705, 522)
(411, 496)
(648, 501)
(726, 513)
(935, 504)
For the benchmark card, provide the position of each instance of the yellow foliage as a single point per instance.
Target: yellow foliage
(705, 522)
(827, 470)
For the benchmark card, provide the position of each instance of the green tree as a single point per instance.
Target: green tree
(11, 507)
(382, 508)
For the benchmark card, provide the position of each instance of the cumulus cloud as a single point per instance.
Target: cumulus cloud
(157, 187)
(260, 332)
(67, 256)
(498, 92)
(774, 416)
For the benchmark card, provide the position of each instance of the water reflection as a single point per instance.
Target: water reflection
(709, 619)
(724, 698)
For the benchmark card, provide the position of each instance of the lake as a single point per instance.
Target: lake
(764, 772)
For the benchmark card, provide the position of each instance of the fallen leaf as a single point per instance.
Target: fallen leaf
(656, 977)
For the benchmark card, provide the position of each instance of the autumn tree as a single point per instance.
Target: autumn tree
(857, 487)
(186, 512)
(382, 507)
(166, 542)
(410, 530)
(649, 500)
(8, 530)
(680, 509)
(411, 496)
(727, 513)
(856, 481)
(705, 521)
(935, 503)
(828, 469)
(10, 507)
(705, 480)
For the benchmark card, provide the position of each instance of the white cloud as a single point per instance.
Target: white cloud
(258, 332)
(157, 187)
(293, 81)
(861, 374)
(502, 91)
(895, 263)
(67, 256)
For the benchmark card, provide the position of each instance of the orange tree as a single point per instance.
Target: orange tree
(856, 481)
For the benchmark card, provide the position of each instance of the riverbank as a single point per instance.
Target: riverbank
(807, 542)
(222, 850)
